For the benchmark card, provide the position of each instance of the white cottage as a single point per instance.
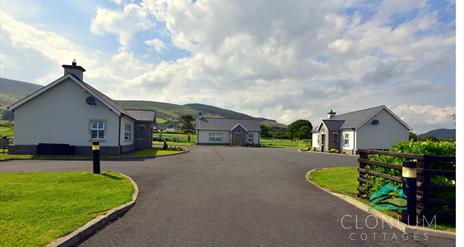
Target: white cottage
(236, 132)
(373, 128)
(67, 115)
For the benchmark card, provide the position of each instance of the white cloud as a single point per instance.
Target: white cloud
(283, 60)
(156, 45)
(426, 115)
(125, 24)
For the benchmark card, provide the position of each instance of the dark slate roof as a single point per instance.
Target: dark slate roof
(142, 115)
(355, 119)
(333, 124)
(226, 124)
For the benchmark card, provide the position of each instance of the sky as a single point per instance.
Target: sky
(283, 60)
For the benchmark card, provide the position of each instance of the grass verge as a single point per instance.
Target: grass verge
(37, 208)
(343, 180)
(283, 143)
(156, 151)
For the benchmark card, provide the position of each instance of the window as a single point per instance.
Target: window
(97, 129)
(346, 140)
(128, 132)
(216, 136)
(250, 139)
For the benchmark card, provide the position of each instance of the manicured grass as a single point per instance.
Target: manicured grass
(283, 143)
(339, 179)
(37, 208)
(157, 152)
(179, 137)
(170, 144)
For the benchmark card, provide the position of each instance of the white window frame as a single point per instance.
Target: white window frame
(99, 127)
(214, 136)
(346, 140)
(127, 132)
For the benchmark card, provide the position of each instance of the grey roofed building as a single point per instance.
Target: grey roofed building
(142, 115)
(227, 124)
(238, 132)
(68, 114)
(376, 127)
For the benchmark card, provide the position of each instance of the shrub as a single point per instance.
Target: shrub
(428, 147)
(334, 150)
(165, 145)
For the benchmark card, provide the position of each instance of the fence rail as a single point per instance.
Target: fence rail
(433, 200)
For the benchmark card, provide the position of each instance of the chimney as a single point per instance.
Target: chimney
(331, 114)
(74, 70)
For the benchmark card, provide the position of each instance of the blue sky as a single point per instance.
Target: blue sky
(284, 61)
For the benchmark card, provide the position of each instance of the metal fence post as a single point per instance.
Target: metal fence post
(96, 157)
(409, 173)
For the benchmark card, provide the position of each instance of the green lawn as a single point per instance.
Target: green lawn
(157, 152)
(339, 179)
(283, 143)
(37, 208)
(171, 144)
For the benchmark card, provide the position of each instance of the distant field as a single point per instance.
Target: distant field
(284, 143)
(176, 137)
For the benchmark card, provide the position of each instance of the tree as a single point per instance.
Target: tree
(300, 129)
(265, 131)
(187, 123)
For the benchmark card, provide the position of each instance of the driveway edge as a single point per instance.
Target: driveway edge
(90, 228)
(384, 217)
(121, 158)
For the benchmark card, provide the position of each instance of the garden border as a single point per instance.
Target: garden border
(115, 158)
(384, 217)
(90, 228)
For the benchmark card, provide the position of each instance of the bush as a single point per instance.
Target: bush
(428, 147)
(334, 150)
(165, 145)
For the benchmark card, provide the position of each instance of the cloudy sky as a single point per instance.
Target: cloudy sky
(283, 60)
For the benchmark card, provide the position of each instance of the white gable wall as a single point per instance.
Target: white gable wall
(61, 115)
(382, 136)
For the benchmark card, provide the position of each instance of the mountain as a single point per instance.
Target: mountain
(167, 114)
(12, 90)
(440, 134)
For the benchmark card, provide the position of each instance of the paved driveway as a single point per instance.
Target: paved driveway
(224, 196)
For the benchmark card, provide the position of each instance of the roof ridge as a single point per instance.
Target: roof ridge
(370, 108)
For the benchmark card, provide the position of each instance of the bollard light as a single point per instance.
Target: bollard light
(96, 157)
(409, 172)
(409, 169)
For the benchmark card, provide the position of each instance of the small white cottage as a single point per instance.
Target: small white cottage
(67, 115)
(373, 128)
(236, 132)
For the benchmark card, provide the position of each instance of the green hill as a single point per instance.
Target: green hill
(440, 134)
(167, 114)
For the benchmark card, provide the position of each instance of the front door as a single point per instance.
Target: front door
(236, 139)
(239, 136)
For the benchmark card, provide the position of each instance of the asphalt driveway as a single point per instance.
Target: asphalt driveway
(225, 196)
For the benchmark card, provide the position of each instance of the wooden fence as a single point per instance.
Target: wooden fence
(436, 193)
